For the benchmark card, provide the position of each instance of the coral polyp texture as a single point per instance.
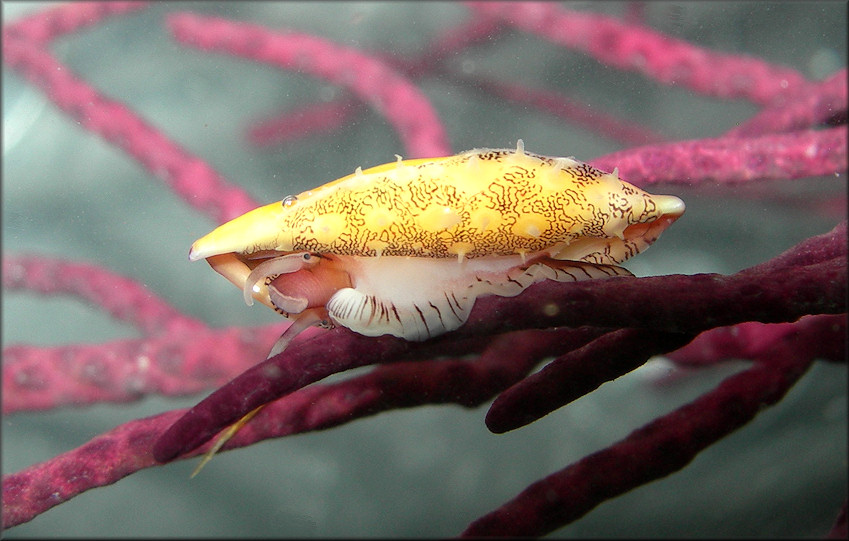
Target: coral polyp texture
(703, 395)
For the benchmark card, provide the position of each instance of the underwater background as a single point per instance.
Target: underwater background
(427, 471)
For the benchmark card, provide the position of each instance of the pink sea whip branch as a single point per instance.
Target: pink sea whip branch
(325, 116)
(566, 109)
(122, 298)
(662, 58)
(669, 443)
(169, 364)
(297, 124)
(24, 49)
(728, 160)
(792, 101)
(817, 104)
(370, 79)
(178, 355)
(44, 26)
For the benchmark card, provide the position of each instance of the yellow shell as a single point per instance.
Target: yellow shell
(410, 235)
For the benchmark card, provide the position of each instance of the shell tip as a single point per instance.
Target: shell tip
(520, 147)
(671, 205)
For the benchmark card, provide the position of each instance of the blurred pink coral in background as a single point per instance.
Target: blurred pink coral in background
(218, 100)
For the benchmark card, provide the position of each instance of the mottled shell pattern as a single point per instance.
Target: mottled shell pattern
(405, 248)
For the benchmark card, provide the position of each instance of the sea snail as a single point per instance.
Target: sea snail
(406, 247)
